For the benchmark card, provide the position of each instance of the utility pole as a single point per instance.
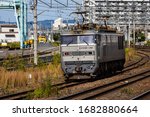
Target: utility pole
(35, 32)
(134, 40)
(129, 35)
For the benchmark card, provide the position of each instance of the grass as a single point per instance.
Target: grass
(55, 44)
(14, 62)
(40, 77)
(148, 43)
(14, 45)
(127, 91)
(56, 59)
(44, 90)
(130, 54)
(32, 77)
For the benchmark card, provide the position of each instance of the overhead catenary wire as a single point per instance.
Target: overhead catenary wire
(61, 3)
(46, 3)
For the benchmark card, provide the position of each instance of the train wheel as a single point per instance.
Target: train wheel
(121, 65)
(66, 77)
(114, 70)
(93, 76)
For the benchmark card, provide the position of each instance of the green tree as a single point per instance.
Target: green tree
(141, 37)
(56, 36)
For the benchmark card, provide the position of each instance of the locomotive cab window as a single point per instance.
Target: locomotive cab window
(86, 39)
(120, 42)
(78, 39)
(69, 39)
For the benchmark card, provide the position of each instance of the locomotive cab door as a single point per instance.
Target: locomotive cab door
(104, 47)
(98, 42)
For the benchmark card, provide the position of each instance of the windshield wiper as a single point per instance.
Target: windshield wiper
(70, 42)
(86, 42)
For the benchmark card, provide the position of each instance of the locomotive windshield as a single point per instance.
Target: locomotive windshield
(69, 40)
(86, 39)
(77, 39)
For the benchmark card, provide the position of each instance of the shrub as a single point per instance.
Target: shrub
(55, 44)
(148, 43)
(45, 89)
(14, 63)
(41, 63)
(42, 78)
(56, 59)
(56, 36)
(7, 63)
(127, 91)
(130, 53)
(14, 45)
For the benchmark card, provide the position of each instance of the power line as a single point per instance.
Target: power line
(76, 2)
(46, 3)
(62, 3)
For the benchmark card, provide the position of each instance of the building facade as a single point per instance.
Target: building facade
(9, 33)
(118, 11)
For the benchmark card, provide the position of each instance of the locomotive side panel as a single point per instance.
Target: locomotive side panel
(111, 48)
(110, 51)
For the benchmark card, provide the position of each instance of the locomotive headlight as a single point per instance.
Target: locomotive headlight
(66, 69)
(66, 53)
(92, 66)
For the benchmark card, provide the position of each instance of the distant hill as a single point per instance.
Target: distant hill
(3, 22)
(45, 24)
(69, 21)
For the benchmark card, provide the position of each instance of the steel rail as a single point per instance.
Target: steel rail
(16, 96)
(141, 96)
(99, 90)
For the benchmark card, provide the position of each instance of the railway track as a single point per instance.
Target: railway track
(26, 56)
(94, 92)
(45, 57)
(76, 82)
(16, 96)
(142, 47)
(45, 60)
(145, 50)
(143, 96)
(63, 85)
(130, 66)
(144, 59)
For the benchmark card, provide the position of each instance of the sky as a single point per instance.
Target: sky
(47, 13)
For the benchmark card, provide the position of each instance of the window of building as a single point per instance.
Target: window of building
(10, 36)
(11, 30)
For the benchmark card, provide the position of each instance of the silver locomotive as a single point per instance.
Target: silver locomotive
(91, 52)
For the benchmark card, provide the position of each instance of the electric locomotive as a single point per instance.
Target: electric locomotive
(91, 52)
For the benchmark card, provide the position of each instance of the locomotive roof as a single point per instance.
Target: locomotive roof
(88, 32)
(79, 32)
(90, 29)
